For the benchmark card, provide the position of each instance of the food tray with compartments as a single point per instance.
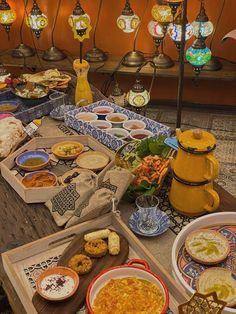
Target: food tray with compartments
(27, 113)
(102, 136)
(24, 264)
(13, 175)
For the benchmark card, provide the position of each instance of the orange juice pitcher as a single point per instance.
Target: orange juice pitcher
(83, 93)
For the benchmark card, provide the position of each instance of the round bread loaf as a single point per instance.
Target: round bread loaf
(219, 280)
(207, 246)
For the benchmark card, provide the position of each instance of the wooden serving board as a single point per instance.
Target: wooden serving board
(73, 304)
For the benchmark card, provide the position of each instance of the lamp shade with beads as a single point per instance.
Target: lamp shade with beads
(36, 20)
(155, 29)
(128, 21)
(7, 15)
(198, 54)
(162, 13)
(138, 96)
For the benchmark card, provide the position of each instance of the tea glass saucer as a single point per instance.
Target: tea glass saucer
(163, 224)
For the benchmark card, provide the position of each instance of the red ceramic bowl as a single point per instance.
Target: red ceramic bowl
(135, 268)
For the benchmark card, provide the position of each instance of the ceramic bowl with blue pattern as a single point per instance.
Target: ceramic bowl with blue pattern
(59, 112)
(32, 160)
(163, 224)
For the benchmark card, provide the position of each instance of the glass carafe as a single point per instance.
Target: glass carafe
(83, 93)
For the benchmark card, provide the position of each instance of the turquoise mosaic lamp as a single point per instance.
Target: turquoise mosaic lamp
(198, 55)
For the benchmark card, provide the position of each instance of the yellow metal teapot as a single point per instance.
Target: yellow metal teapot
(195, 161)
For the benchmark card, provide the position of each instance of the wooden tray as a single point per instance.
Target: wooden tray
(77, 300)
(14, 176)
(24, 264)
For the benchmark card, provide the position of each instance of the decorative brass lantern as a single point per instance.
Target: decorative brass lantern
(36, 20)
(138, 96)
(80, 23)
(7, 15)
(128, 21)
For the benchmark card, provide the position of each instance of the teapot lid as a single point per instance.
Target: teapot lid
(197, 140)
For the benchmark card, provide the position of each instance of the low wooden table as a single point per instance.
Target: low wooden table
(21, 223)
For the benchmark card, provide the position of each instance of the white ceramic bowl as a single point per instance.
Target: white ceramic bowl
(116, 124)
(131, 125)
(102, 124)
(102, 111)
(129, 270)
(207, 221)
(137, 132)
(122, 132)
(86, 116)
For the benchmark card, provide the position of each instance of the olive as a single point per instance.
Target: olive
(67, 180)
(75, 174)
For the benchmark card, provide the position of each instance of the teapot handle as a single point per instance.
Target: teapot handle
(216, 200)
(214, 168)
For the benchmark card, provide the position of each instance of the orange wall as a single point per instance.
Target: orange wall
(114, 41)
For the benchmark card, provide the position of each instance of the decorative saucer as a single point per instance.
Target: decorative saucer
(164, 224)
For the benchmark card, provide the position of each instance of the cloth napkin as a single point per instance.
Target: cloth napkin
(113, 186)
(63, 205)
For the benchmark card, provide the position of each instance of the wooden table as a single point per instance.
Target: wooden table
(21, 223)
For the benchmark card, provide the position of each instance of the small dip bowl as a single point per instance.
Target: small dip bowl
(139, 135)
(134, 125)
(9, 105)
(103, 125)
(32, 160)
(39, 179)
(67, 150)
(119, 133)
(86, 116)
(102, 111)
(66, 280)
(116, 119)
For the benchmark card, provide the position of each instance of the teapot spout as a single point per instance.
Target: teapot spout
(178, 132)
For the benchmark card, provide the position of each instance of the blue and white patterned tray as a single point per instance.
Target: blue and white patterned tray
(109, 140)
(27, 113)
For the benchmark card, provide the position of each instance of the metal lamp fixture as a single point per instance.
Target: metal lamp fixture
(22, 51)
(161, 14)
(174, 5)
(128, 22)
(175, 31)
(202, 25)
(53, 53)
(36, 20)
(7, 15)
(80, 22)
(198, 54)
(138, 96)
(96, 54)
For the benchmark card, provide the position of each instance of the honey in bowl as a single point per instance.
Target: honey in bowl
(116, 119)
(32, 162)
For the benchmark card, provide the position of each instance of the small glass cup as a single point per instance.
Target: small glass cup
(148, 213)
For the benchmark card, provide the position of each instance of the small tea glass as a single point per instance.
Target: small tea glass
(148, 210)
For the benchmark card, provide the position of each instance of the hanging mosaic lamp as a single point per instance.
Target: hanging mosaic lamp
(198, 55)
(156, 31)
(174, 5)
(128, 21)
(36, 20)
(138, 96)
(162, 14)
(175, 31)
(79, 21)
(7, 15)
(202, 26)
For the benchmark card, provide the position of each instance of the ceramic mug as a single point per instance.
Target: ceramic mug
(193, 200)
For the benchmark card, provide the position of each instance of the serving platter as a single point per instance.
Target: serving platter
(13, 175)
(24, 264)
(76, 247)
(185, 270)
